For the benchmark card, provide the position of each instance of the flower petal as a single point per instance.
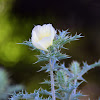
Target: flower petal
(34, 37)
(42, 36)
(45, 42)
(39, 46)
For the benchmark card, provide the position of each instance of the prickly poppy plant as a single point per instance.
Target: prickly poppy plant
(63, 81)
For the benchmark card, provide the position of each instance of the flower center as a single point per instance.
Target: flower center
(43, 35)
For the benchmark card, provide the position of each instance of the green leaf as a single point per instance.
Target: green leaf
(28, 43)
(87, 67)
(75, 67)
(46, 82)
(45, 92)
(47, 68)
(77, 95)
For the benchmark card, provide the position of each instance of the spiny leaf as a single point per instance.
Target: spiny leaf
(61, 56)
(47, 68)
(45, 92)
(46, 82)
(22, 95)
(41, 58)
(63, 38)
(75, 67)
(28, 43)
(87, 67)
(75, 96)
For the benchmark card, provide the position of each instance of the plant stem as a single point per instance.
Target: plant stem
(52, 79)
(75, 81)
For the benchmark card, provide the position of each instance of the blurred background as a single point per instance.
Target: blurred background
(18, 17)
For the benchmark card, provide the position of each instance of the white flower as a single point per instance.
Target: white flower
(42, 36)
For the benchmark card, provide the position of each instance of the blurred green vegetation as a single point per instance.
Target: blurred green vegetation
(11, 32)
(6, 88)
(8, 51)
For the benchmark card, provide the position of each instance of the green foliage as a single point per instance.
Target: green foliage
(31, 96)
(65, 80)
(5, 88)
(54, 51)
(75, 67)
(68, 83)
